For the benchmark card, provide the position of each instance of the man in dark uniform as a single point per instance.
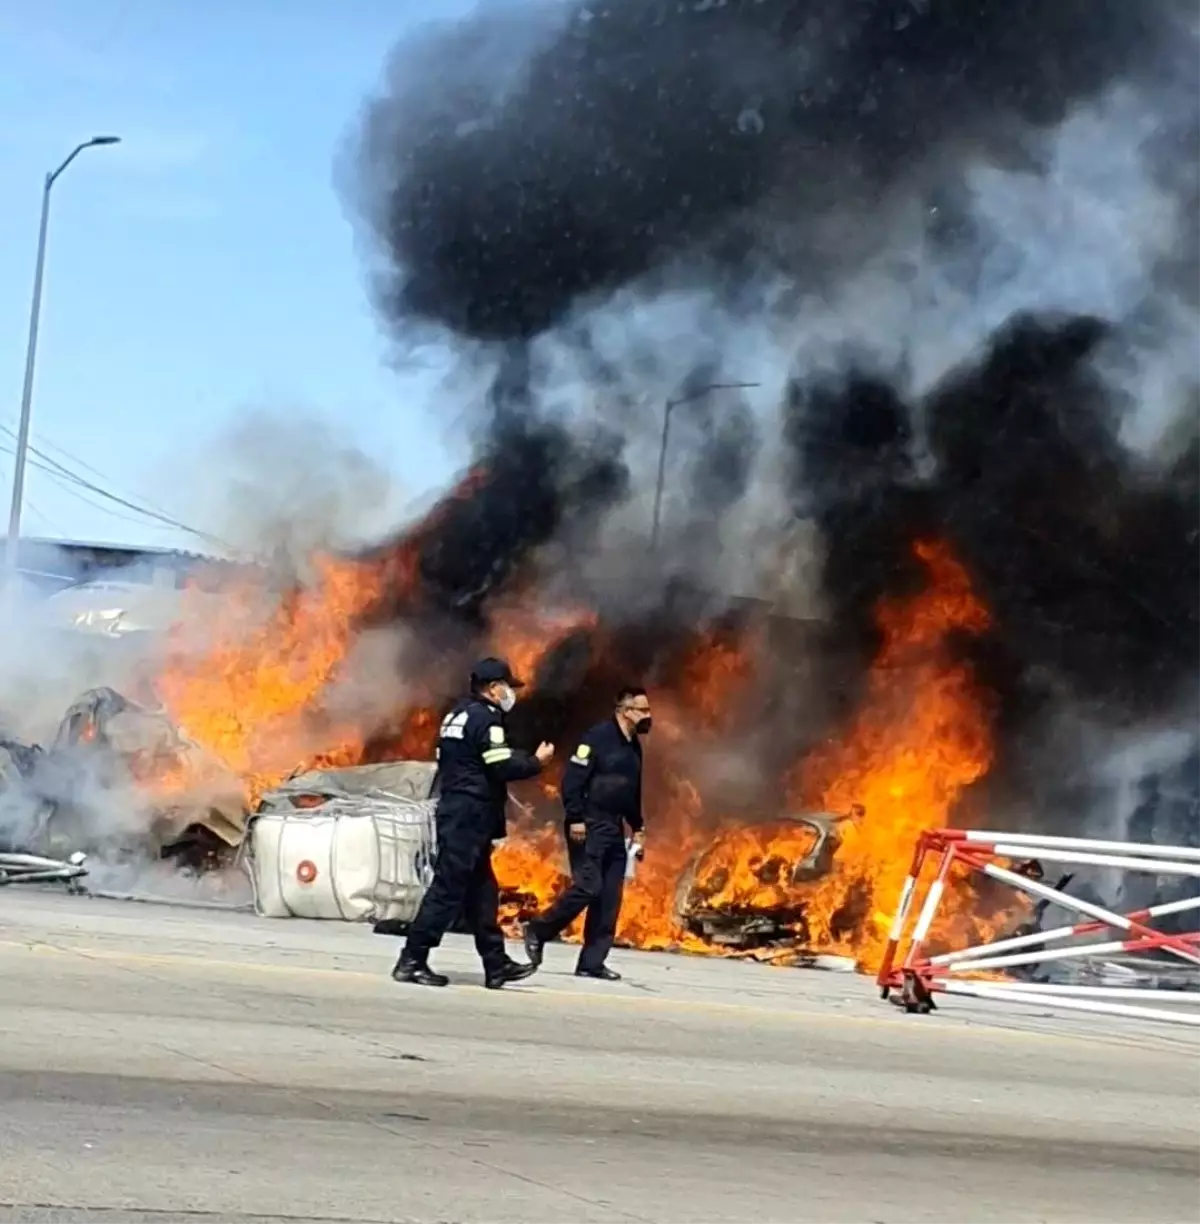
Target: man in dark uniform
(601, 793)
(475, 765)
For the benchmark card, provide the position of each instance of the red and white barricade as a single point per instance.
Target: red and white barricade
(1015, 859)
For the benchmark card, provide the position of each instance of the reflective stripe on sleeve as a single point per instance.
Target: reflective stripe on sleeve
(493, 756)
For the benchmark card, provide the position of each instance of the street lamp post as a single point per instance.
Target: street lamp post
(18, 490)
(668, 408)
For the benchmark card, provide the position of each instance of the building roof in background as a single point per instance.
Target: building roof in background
(51, 564)
(133, 550)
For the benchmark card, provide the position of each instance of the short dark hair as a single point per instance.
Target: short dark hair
(629, 691)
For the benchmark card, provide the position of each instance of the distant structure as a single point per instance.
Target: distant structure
(48, 566)
(117, 590)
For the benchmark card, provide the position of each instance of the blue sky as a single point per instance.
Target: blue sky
(203, 267)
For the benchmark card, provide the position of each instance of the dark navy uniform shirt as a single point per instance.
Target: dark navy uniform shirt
(602, 783)
(475, 760)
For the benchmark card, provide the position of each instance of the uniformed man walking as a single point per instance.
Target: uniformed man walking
(475, 765)
(601, 793)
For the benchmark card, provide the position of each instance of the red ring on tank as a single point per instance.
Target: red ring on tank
(306, 871)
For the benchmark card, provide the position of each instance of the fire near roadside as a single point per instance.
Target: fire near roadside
(255, 697)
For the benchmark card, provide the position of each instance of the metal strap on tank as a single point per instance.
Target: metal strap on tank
(279, 869)
(379, 852)
(247, 862)
(333, 875)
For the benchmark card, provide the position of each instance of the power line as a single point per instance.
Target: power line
(67, 488)
(87, 467)
(59, 472)
(72, 492)
(45, 518)
(48, 463)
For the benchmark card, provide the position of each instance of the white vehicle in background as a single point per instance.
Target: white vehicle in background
(115, 609)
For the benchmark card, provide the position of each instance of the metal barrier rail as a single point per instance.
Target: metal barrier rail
(36, 869)
(918, 976)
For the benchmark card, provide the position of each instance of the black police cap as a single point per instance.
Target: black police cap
(489, 671)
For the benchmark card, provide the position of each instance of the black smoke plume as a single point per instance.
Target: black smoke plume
(1091, 570)
(534, 486)
(523, 167)
(640, 132)
(533, 483)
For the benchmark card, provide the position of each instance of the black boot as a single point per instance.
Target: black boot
(415, 969)
(603, 974)
(512, 971)
(534, 945)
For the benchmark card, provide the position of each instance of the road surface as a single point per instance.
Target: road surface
(164, 1064)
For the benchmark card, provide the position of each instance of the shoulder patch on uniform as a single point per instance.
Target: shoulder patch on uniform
(582, 753)
(453, 725)
(496, 734)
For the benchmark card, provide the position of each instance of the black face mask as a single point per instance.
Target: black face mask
(643, 725)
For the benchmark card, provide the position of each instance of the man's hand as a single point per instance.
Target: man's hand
(544, 753)
(577, 832)
(639, 840)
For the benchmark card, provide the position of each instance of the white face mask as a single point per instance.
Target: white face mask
(508, 699)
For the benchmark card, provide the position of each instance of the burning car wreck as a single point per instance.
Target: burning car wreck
(759, 903)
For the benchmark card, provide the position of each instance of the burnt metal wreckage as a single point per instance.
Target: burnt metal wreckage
(16, 868)
(25, 810)
(54, 800)
(121, 783)
(106, 742)
(743, 927)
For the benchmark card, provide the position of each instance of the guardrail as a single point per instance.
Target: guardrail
(918, 977)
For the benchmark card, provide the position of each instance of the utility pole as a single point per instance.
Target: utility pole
(668, 408)
(18, 491)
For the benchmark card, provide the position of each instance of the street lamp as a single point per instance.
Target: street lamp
(18, 491)
(668, 408)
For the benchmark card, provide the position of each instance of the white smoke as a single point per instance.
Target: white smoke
(45, 664)
(280, 490)
(281, 487)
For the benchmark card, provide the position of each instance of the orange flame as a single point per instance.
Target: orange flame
(251, 692)
(254, 698)
(750, 869)
(713, 673)
(524, 636)
(921, 738)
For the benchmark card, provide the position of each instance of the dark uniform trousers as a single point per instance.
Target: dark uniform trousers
(597, 884)
(463, 880)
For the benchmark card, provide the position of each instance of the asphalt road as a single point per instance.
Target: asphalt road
(168, 1064)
